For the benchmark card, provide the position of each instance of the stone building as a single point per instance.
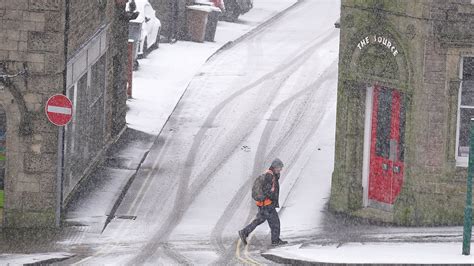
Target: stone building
(405, 97)
(47, 47)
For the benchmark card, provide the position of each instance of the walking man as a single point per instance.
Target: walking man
(267, 207)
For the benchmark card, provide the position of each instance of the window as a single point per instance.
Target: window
(96, 105)
(85, 135)
(466, 110)
(86, 132)
(382, 147)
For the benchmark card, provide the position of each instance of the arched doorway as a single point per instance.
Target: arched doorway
(379, 65)
(3, 158)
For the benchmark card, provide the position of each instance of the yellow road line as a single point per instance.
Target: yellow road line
(237, 255)
(146, 185)
(246, 251)
(143, 189)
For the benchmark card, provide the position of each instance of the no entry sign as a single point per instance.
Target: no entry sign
(59, 110)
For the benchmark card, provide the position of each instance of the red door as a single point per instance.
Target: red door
(387, 145)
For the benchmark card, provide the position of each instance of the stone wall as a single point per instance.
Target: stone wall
(117, 59)
(432, 37)
(31, 33)
(86, 17)
(438, 186)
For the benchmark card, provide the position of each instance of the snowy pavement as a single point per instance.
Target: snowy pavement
(345, 241)
(166, 72)
(372, 253)
(33, 259)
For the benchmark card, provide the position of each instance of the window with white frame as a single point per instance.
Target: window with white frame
(466, 110)
(86, 86)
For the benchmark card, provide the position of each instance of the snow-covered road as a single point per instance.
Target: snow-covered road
(272, 95)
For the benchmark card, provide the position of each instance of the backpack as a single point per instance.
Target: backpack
(257, 188)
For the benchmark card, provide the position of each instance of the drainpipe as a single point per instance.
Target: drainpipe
(61, 134)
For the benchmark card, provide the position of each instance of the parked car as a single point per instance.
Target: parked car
(150, 27)
(235, 8)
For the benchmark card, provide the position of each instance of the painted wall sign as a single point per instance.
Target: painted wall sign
(374, 39)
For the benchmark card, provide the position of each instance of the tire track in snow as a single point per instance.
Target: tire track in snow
(183, 201)
(262, 159)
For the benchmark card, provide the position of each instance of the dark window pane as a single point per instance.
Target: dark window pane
(468, 68)
(97, 80)
(384, 120)
(467, 94)
(466, 115)
(96, 107)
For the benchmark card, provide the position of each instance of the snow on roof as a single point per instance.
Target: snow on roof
(204, 2)
(206, 8)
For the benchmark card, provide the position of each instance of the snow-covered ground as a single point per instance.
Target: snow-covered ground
(265, 97)
(164, 75)
(296, 81)
(378, 253)
(157, 87)
(22, 259)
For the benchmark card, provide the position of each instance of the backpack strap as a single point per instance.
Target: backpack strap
(273, 179)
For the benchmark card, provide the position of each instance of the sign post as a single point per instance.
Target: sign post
(59, 110)
(466, 243)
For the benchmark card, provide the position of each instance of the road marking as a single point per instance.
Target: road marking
(246, 251)
(120, 231)
(237, 254)
(145, 184)
(148, 181)
(246, 259)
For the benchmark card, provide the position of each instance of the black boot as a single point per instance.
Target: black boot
(243, 237)
(279, 242)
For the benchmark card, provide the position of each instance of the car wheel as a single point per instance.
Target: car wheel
(136, 65)
(145, 48)
(235, 14)
(157, 42)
